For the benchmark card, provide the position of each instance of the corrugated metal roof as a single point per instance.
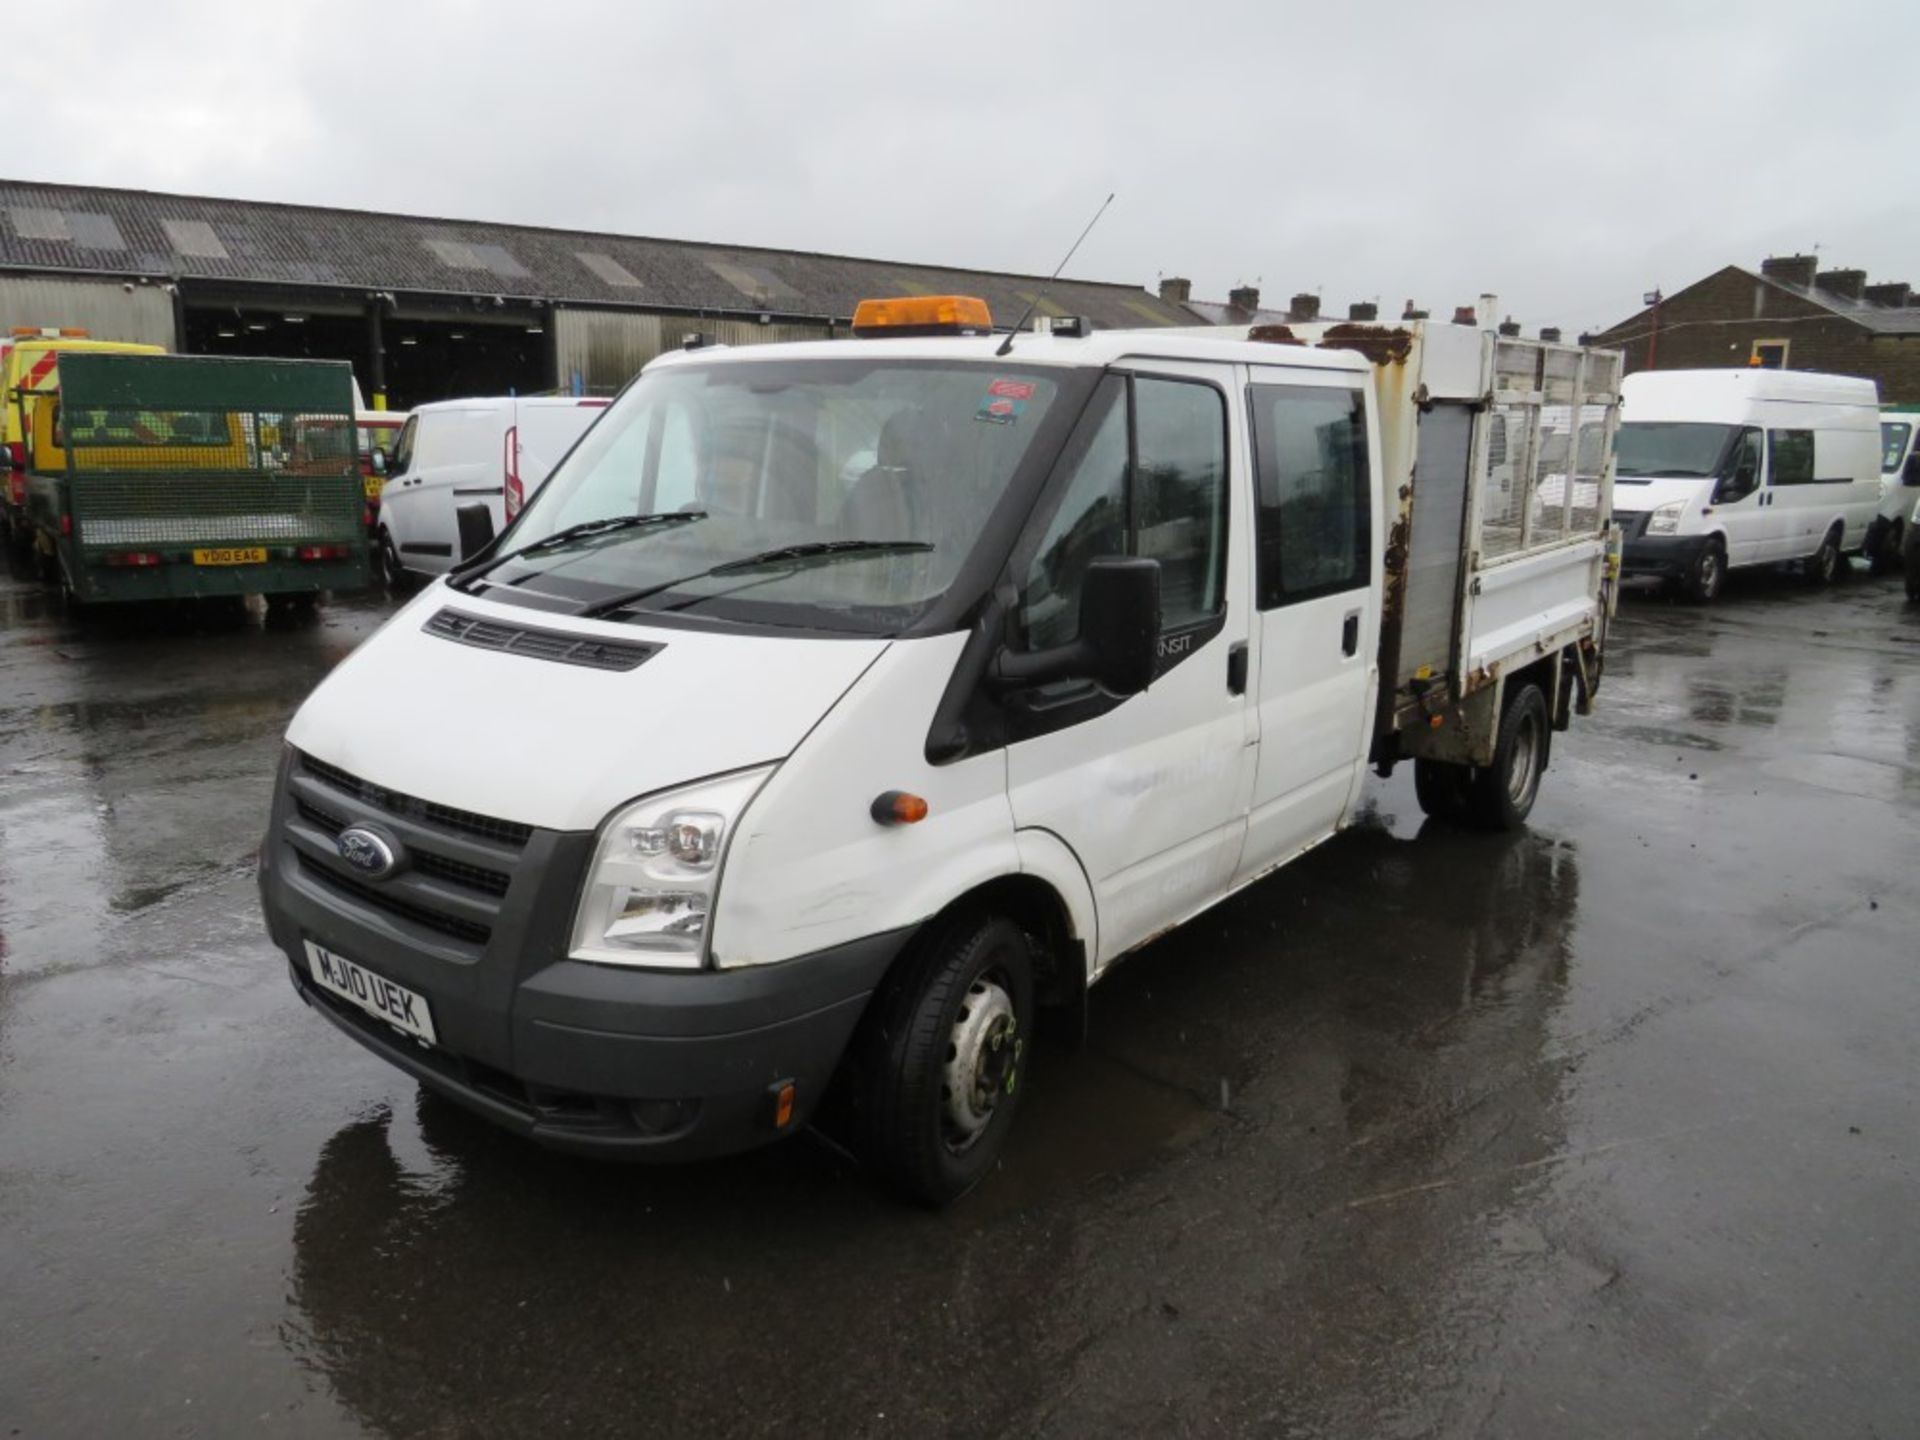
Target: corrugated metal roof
(198, 238)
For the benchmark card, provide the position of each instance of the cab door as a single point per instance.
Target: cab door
(1317, 591)
(1742, 502)
(1150, 792)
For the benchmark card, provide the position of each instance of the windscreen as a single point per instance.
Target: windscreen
(1893, 444)
(874, 476)
(1679, 449)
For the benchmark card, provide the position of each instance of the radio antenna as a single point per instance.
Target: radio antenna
(1006, 345)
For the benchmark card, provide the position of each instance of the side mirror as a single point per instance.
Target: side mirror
(1737, 486)
(476, 529)
(1118, 647)
(378, 462)
(1910, 472)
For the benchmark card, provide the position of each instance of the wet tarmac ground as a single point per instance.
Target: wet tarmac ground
(1608, 1128)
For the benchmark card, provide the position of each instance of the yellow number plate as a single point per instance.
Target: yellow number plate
(244, 555)
(373, 484)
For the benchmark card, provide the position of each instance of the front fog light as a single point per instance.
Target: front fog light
(651, 887)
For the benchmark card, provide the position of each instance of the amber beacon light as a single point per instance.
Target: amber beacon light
(923, 315)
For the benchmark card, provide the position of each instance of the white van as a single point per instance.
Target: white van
(737, 766)
(458, 453)
(1899, 485)
(1719, 469)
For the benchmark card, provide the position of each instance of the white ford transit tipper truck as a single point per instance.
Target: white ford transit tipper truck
(835, 706)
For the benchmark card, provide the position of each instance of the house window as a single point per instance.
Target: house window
(1769, 354)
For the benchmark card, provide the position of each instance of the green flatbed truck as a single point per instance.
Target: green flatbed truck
(154, 477)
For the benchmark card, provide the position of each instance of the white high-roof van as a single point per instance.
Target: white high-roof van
(454, 454)
(1718, 469)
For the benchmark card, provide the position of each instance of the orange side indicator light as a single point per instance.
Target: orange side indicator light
(783, 1106)
(897, 807)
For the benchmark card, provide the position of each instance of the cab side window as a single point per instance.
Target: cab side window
(402, 459)
(1148, 477)
(1315, 525)
(1792, 456)
(1742, 469)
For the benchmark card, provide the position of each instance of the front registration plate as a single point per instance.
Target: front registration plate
(232, 555)
(400, 1007)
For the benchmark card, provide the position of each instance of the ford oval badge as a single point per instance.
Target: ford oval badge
(369, 852)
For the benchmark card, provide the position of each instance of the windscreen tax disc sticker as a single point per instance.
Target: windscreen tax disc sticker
(1005, 401)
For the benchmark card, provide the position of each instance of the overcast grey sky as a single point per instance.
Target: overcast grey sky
(1566, 157)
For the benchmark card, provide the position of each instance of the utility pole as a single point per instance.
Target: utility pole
(1652, 297)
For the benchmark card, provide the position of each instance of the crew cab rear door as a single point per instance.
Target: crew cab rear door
(1317, 596)
(1150, 792)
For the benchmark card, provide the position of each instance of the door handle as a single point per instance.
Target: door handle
(1237, 668)
(1350, 633)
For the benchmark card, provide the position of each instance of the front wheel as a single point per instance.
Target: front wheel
(1502, 794)
(1883, 550)
(943, 1057)
(386, 558)
(1709, 573)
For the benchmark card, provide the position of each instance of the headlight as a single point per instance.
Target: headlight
(1665, 518)
(649, 894)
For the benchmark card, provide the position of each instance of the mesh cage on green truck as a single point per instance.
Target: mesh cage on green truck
(194, 450)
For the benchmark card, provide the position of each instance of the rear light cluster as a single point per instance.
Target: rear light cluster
(139, 559)
(17, 454)
(322, 552)
(510, 464)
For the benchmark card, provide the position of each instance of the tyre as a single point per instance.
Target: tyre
(942, 1054)
(1709, 573)
(1501, 795)
(1824, 564)
(1884, 556)
(1441, 789)
(1911, 559)
(386, 558)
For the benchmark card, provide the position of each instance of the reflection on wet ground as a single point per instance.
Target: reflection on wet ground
(1602, 1128)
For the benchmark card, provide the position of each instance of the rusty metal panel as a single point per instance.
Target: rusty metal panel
(107, 309)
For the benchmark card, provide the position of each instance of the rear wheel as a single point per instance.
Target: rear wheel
(1441, 789)
(1502, 794)
(942, 1057)
(1824, 564)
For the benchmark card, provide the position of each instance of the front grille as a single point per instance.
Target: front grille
(394, 904)
(426, 812)
(537, 644)
(442, 867)
(1632, 523)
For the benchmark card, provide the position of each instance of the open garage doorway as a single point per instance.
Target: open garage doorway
(441, 357)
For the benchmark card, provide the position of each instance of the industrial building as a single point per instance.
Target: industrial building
(428, 309)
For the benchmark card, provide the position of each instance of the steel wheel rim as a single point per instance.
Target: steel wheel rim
(983, 1062)
(1524, 770)
(1710, 572)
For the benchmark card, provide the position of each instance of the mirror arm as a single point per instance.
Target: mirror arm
(1012, 668)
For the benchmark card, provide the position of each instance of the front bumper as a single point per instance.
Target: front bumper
(591, 1059)
(1671, 557)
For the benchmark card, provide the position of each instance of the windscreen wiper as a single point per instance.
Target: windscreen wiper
(605, 525)
(785, 554)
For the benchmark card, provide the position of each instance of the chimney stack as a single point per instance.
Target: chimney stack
(1791, 269)
(1463, 315)
(1176, 290)
(1849, 283)
(1586, 337)
(1304, 307)
(1550, 334)
(1413, 312)
(1893, 294)
(1510, 327)
(1363, 310)
(1244, 297)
